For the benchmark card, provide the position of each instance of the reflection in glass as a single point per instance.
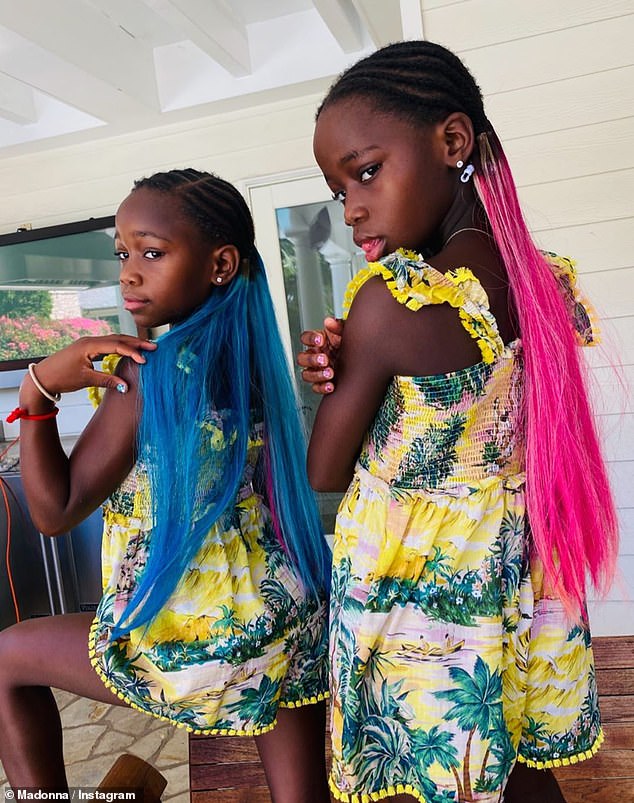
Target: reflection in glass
(319, 258)
(55, 289)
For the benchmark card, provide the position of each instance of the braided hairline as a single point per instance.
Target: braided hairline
(213, 205)
(420, 81)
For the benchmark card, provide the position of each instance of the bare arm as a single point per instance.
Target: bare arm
(364, 370)
(61, 491)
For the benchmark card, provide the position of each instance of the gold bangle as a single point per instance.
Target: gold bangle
(54, 397)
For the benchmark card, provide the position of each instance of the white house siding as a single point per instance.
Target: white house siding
(559, 84)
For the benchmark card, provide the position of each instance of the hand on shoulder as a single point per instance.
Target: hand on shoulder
(319, 358)
(71, 368)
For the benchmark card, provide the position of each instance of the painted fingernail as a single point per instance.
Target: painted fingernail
(328, 373)
(121, 388)
(321, 359)
(318, 340)
(329, 388)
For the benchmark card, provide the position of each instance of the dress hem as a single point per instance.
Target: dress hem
(94, 660)
(408, 789)
(565, 761)
(369, 797)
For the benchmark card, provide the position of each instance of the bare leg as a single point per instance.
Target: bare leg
(294, 755)
(528, 785)
(35, 655)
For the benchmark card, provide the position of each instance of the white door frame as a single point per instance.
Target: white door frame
(264, 195)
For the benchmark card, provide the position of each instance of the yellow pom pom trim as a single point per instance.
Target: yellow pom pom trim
(565, 761)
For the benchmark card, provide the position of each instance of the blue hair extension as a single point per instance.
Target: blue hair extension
(293, 503)
(200, 365)
(229, 361)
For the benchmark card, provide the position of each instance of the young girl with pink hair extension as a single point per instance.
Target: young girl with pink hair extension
(476, 499)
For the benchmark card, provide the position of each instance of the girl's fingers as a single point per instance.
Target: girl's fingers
(323, 388)
(124, 345)
(312, 360)
(313, 338)
(109, 381)
(317, 376)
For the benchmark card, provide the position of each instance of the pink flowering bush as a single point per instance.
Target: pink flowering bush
(22, 338)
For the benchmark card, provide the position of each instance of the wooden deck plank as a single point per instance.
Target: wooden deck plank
(618, 736)
(615, 682)
(617, 709)
(216, 776)
(614, 652)
(598, 792)
(606, 764)
(255, 794)
(222, 750)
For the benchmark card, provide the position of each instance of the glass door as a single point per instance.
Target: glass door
(310, 258)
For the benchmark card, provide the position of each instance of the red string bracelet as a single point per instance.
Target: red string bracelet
(20, 412)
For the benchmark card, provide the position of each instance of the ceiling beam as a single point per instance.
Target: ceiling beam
(381, 20)
(343, 23)
(75, 33)
(212, 28)
(16, 101)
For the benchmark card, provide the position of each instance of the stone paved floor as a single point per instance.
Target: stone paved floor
(95, 734)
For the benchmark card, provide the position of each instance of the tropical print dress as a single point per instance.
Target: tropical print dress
(449, 660)
(238, 637)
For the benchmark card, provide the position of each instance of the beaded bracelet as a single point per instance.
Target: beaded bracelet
(54, 397)
(20, 412)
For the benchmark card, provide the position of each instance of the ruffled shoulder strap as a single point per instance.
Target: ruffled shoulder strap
(416, 284)
(108, 366)
(584, 318)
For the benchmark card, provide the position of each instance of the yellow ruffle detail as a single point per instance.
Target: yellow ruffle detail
(108, 365)
(566, 273)
(382, 794)
(565, 761)
(416, 284)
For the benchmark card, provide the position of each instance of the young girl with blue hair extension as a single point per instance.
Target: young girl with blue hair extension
(215, 569)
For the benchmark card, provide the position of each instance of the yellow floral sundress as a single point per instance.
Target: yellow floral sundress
(449, 662)
(238, 638)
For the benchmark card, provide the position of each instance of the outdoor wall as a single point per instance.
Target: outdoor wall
(559, 84)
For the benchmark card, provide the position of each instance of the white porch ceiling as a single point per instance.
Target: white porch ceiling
(80, 69)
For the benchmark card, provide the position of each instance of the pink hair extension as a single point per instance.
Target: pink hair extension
(270, 498)
(570, 507)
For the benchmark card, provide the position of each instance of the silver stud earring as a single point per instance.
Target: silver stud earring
(219, 279)
(459, 164)
(467, 173)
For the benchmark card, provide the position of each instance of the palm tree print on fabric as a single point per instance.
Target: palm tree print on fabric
(257, 705)
(387, 420)
(447, 390)
(431, 457)
(477, 706)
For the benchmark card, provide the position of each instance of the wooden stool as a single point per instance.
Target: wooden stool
(133, 772)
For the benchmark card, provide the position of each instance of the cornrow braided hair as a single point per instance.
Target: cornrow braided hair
(212, 204)
(568, 497)
(419, 81)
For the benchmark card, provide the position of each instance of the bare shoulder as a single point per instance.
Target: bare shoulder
(401, 341)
